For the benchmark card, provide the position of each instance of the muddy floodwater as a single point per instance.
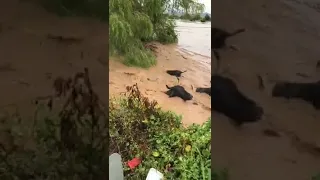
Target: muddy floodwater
(195, 40)
(281, 41)
(191, 53)
(194, 37)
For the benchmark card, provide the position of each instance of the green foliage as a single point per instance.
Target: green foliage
(174, 16)
(207, 17)
(138, 56)
(92, 8)
(138, 128)
(121, 33)
(195, 17)
(165, 32)
(191, 6)
(133, 23)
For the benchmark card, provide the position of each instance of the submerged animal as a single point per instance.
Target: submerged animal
(204, 90)
(178, 91)
(309, 92)
(176, 73)
(218, 41)
(228, 100)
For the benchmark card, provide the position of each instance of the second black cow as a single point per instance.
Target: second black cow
(309, 92)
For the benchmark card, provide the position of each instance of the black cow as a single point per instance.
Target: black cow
(204, 90)
(178, 91)
(228, 100)
(309, 92)
(218, 41)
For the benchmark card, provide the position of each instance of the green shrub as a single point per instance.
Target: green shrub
(138, 128)
(139, 57)
(165, 32)
(206, 18)
(132, 24)
(195, 17)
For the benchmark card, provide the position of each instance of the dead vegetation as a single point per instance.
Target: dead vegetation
(134, 128)
(151, 46)
(65, 39)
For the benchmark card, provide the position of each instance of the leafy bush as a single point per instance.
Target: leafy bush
(195, 17)
(138, 128)
(207, 17)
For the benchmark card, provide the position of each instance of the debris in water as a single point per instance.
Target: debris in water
(271, 133)
(134, 163)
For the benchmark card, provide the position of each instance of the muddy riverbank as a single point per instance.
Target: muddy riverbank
(152, 82)
(30, 60)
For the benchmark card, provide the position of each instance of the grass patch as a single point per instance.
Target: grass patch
(140, 57)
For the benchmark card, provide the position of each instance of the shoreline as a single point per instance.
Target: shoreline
(152, 82)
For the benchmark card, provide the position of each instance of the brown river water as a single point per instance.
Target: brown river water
(282, 39)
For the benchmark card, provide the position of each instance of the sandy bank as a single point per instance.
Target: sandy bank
(152, 82)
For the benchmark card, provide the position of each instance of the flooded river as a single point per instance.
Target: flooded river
(195, 40)
(195, 37)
